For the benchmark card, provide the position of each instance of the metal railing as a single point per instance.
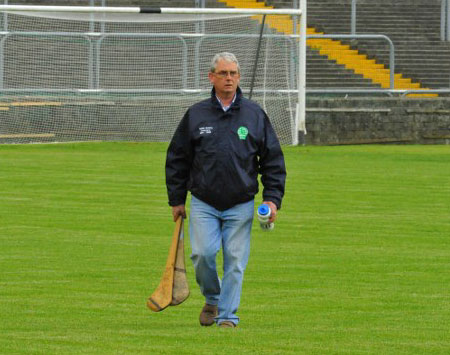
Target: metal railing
(375, 36)
(94, 41)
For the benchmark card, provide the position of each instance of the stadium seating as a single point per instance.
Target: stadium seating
(413, 26)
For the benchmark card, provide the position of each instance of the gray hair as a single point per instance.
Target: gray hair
(227, 56)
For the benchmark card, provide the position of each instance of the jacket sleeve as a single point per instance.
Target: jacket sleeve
(178, 163)
(272, 166)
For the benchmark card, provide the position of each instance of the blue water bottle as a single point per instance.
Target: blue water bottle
(263, 214)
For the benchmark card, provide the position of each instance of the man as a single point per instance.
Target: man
(216, 153)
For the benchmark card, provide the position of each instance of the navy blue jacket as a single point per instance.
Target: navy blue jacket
(217, 155)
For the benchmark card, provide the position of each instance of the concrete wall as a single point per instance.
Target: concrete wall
(331, 121)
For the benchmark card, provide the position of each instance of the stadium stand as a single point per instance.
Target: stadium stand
(342, 54)
(413, 26)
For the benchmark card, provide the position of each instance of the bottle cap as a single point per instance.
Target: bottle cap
(263, 209)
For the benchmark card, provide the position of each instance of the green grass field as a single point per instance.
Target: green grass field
(358, 263)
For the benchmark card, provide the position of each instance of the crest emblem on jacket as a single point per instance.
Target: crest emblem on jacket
(242, 132)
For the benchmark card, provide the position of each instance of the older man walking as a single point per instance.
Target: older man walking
(218, 150)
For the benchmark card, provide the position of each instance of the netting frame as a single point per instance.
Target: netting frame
(300, 119)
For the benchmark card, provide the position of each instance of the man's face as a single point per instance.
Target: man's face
(225, 79)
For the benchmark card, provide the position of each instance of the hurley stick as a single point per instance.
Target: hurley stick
(162, 297)
(180, 290)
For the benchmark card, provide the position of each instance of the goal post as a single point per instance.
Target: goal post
(147, 10)
(83, 73)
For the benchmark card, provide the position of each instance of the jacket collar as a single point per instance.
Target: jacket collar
(235, 104)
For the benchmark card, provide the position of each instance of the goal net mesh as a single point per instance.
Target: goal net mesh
(66, 78)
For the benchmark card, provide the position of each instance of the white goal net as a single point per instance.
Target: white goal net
(80, 75)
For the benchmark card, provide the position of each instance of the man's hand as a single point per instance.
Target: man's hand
(273, 211)
(177, 211)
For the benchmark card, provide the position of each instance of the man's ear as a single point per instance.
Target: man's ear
(211, 77)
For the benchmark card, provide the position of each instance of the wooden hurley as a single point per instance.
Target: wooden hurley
(173, 288)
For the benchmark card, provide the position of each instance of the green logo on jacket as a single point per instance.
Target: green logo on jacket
(242, 132)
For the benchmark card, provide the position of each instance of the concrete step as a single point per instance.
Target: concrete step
(325, 78)
(424, 66)
(339, 85)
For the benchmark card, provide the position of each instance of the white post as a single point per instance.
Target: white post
(301, 107)
(448, 20)
(443, 17)
(5, 19)
(2, 47)
(353, 25)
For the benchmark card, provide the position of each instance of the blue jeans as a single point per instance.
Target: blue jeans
(210, 229)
